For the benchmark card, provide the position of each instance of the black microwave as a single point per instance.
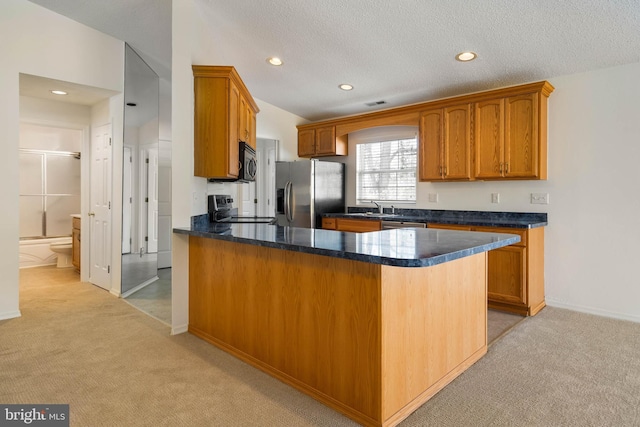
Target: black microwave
(248, 164)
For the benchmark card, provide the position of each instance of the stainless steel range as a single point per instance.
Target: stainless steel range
(221, 210)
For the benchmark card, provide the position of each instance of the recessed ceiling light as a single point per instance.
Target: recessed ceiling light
(275, 61)
(466, 56)
(58, 92)
(345, 86)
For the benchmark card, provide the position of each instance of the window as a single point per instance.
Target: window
(386, 171)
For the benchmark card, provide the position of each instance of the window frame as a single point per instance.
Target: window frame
(382, 137)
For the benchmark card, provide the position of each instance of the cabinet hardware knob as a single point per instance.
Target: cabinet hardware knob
(506, 168)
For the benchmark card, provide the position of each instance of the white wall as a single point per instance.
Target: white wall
(594, 211)
(192, 44)
(42, 43)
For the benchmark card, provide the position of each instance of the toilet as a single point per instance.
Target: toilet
(63, 249)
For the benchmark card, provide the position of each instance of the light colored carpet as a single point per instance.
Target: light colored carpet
(116, 366)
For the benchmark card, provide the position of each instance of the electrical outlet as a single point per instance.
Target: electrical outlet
(495, 197)
(539, 198)
(433, 197)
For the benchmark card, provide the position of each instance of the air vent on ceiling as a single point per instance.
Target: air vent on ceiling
(373, 104)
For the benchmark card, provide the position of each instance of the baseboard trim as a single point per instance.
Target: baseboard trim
(114, 293)
(592, 310)
(10, 315)
(177, 330)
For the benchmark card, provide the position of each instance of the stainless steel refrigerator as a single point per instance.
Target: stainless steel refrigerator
(305, 189)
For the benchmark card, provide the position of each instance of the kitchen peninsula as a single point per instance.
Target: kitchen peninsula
(371, 324)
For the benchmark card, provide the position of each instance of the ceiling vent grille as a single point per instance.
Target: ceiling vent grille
(374, 103)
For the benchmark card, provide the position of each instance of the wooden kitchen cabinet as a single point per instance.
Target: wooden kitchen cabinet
(352, 225)
(224, 115)
(75, 242)
(445, 143)
(329, 223)
(510, 137)
(247, 127)
(321, 141)
(515, 272)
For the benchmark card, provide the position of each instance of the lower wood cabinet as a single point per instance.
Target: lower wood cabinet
(75, 243)
(516, 272)
(352, 225)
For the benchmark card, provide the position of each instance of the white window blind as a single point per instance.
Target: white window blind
(386, 171)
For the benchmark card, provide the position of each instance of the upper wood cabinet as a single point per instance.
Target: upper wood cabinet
(445, 143)
(508, 138)
(320, 141)
(491, 135)
(224, 115)
(247, 126)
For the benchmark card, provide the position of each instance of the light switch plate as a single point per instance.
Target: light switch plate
(495, 197)
(539, 198)
(433, 197)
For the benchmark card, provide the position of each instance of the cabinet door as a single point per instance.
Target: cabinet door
(521, 136)
(247, 128)
(457, 142)
(430, 147)
(75, 248)
(329, 223)
(252, 128)
(243, 128)
(357, 225)
(326, 140)
(506, 281)
(234, 118)
(489, 138)
(306, 143)
(449, 227)
(212, 125)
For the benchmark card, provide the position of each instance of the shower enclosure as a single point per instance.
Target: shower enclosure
(49, 180)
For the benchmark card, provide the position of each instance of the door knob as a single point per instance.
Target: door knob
(91, 214)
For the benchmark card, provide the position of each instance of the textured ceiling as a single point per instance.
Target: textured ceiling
(399, 51)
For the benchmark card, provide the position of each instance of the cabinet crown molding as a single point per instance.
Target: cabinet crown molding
(386, 117)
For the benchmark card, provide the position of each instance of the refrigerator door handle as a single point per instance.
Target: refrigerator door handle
(286, 201)
(292, 202)
(288, 197)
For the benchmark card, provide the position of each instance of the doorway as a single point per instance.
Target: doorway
(52, 114)
(265, 185)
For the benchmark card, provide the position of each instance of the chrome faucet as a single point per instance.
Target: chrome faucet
(380, 208)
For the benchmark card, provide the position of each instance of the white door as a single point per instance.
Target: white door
(270, 181)
(267, 153)
(152, 197)
(100, 211)
(248, 199)
(127, 199)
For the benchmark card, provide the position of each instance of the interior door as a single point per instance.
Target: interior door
(248, 199)
(127, 199)
(100, 211)
(152, 205)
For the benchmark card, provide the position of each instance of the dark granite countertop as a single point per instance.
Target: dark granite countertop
(408, 247)
(477, 218)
